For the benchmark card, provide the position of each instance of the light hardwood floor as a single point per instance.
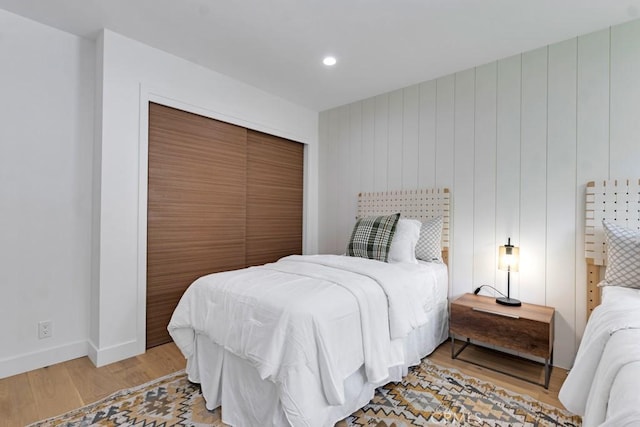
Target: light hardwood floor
(50, 391)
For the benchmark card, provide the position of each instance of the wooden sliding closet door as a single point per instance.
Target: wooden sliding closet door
(274, 197)
(196, 207)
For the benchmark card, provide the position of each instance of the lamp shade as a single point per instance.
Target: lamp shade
(509, 257)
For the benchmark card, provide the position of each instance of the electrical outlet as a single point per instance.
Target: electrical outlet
(45, 329)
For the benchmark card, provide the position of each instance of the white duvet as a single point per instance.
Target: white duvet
(610, 344)
(302, 313)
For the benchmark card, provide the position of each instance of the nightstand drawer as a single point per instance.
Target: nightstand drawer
(503, 328)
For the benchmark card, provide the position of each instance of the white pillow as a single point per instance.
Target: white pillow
(403, 245)
(429, 244)
(623, 256)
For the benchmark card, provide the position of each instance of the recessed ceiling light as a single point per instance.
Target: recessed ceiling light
(329, 60)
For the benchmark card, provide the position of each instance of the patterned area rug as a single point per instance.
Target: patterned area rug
(433, 395)
(429, 395)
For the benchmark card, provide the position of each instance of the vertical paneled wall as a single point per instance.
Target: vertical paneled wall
(516, 141)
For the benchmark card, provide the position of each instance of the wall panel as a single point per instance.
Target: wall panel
(343, 172)
(516, 144)
(324, 187)
(410, 136)
(561, 194)
(367, 155)
(508, 162)
(592, 158)
(334, 186)
(381, 139)
(484, 176)
(355, 145)
(463, 184)
(533, 177)
(445, 131)
(394, 141)
(625, 100)
(427, 138)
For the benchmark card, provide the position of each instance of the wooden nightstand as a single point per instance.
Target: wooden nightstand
(527, 329)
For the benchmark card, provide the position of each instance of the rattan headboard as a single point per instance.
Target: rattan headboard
(616, 201)
(421, 204)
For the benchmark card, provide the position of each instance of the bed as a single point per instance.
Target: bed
(602, 386)
(306, 340)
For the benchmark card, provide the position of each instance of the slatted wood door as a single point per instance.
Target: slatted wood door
(196, 207)
(274, 197)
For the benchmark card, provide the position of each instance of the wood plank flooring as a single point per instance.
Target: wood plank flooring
(50, 391)
(46, 392)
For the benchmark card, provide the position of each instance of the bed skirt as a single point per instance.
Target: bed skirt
(247, 400)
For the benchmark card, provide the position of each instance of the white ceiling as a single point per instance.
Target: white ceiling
(381, 45)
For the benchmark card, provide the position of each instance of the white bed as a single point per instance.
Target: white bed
(602, 385)
(306, 340)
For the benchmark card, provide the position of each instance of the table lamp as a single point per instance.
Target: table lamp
(508, 260)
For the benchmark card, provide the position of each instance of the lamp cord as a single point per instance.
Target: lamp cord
(488, 286)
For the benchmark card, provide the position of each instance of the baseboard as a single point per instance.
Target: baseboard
(41, 358)
(115, 353)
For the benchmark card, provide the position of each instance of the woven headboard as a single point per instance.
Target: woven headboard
(421, 204)
(616, 201)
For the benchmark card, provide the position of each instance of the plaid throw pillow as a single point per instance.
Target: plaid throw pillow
(429, 247)
(623, 256)
(371, 237)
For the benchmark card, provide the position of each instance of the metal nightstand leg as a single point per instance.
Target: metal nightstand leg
(548, 365)
(454, 353)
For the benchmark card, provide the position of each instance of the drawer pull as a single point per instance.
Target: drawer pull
(513, 316)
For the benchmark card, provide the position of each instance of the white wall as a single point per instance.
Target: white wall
(73, 216)
(46, 139)
(516, 141)
(132, 74)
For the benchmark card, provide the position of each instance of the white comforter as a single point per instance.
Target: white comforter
(611, 342)
(282, 317)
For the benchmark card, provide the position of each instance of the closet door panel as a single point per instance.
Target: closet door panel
(196, 221)
(274, 197)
